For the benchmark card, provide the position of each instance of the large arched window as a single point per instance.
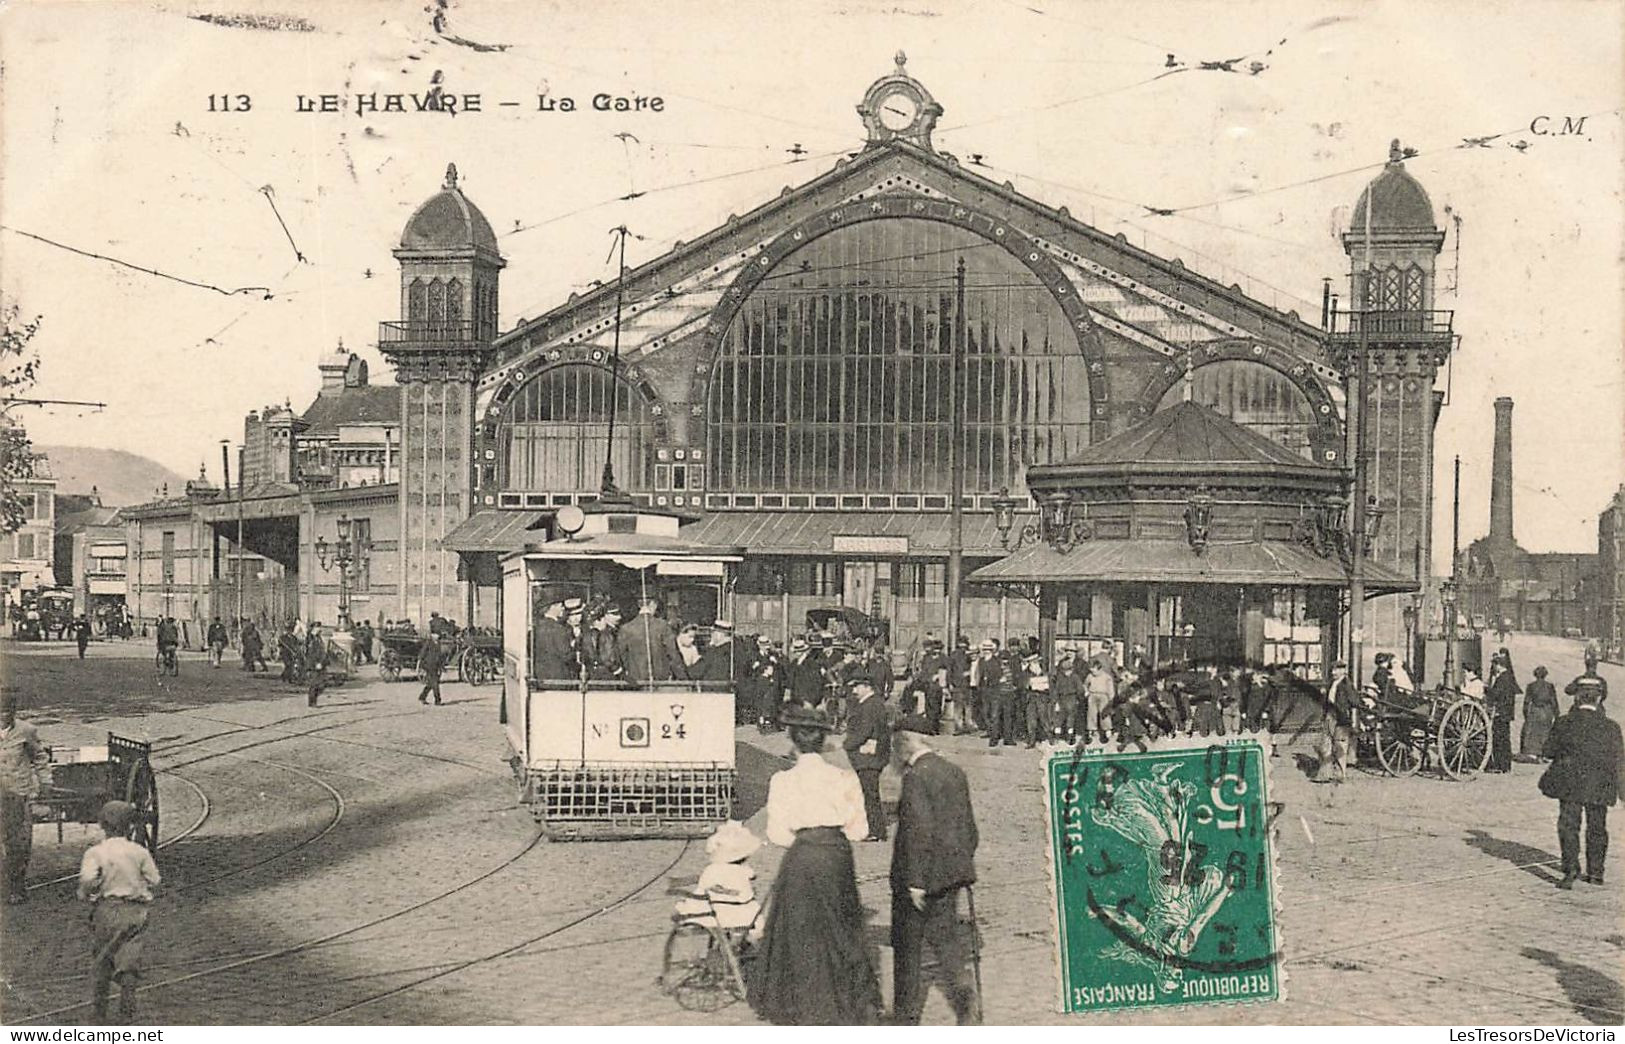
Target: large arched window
(833, 375)
(1255, 396)
(555, 428)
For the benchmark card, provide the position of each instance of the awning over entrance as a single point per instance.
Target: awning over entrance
(496, 530)
(1272, 562)
(854, 534)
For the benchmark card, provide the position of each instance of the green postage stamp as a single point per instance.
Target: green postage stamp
(1163, 873)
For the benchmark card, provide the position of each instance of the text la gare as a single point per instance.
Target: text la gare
(603, 102)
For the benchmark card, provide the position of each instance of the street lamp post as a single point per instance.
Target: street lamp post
(342, 555)
(1409, 613)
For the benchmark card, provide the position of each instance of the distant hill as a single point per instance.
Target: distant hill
(121, 478)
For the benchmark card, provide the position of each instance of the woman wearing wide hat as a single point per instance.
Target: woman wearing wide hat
(814, 967)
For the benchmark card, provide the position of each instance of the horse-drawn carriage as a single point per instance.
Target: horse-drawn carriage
(617, 758)
(475, 651)
(83, 779)
(1441, 728)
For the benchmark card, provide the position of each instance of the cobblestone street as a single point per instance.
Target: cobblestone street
(366, 861)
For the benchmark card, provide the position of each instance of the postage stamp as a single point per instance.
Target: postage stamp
(1163, 875)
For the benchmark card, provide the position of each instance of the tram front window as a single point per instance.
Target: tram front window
(579, 595)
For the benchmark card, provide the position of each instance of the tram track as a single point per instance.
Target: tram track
(294, 949)
(495, 955)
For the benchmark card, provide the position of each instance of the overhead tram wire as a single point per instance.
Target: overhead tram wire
(266, 291)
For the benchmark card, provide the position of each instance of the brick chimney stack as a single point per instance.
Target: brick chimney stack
(1501, 476)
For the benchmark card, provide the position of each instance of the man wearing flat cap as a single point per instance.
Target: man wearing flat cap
(933, 861)
(117, 877)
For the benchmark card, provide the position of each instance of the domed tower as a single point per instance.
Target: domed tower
(449, 271)
(1393, 242)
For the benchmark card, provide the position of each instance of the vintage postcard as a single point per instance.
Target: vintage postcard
(810, 512)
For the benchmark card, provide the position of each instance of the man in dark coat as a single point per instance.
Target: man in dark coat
(1584, 777)
(805, 674)
(81, 633)
(959, 683)
(995, 695)
(315, 662)
(648, 646)
(253, 647)
(762, 688)
(724, 659)
(868, 748)
(552, 648)
(933, 859)
(1501, 700)
(431, 661)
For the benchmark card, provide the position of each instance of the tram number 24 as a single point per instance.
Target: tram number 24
(638, 732)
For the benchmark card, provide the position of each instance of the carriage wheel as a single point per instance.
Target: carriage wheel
(389, 665)
(481, 669)
(1464, 739)
(467, 665)
(1399, 746)
(141, 790)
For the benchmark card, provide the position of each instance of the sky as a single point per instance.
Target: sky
(111, 148)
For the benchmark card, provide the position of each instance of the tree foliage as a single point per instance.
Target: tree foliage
(19, 367)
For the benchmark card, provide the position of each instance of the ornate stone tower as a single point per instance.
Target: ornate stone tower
(1392, 244)
(449, 272)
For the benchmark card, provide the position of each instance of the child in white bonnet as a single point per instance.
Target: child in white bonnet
(727, 881)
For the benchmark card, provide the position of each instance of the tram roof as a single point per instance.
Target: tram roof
(633, 550)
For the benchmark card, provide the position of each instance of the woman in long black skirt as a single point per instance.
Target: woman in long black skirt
(814, 966)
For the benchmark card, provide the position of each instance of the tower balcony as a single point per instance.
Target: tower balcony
(1395, 326)
(1430, 331)
(416, 335)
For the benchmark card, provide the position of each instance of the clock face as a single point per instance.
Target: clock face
(898, 111)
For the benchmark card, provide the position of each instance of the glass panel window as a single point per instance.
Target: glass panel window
(843, 353)
(1253, 395)
(556, 429)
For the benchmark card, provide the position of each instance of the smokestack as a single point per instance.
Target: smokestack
(1501, 475)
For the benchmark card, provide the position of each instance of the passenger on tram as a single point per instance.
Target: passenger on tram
(648, 651)
(688, 652)
(724, 658)
(601, 651)
(554, 656)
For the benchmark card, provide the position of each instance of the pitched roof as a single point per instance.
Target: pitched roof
(1188, 433)
(366, 405)
(1170, 274)
(1272, 562)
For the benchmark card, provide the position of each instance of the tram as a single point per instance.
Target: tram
(616, 759)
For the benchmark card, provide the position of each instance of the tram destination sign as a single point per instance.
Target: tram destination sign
(1163, 877)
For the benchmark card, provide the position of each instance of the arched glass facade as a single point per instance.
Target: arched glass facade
(1255, 396)
(834, 374)
(555, 427)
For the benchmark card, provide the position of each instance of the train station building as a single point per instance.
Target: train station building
(785, 383)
